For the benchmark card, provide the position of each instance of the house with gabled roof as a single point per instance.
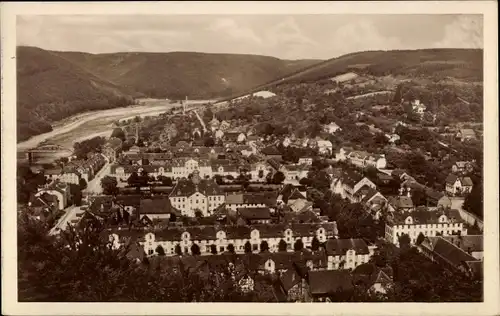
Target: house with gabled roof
(456, 185)
(190, 196)
(466, 134)
(352, 185)
(372, 277)
(346, 253)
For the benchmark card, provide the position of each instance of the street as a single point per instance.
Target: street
(94, 185)
(62, 223)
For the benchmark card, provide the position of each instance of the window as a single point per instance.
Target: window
(255, 247)
(221, 249)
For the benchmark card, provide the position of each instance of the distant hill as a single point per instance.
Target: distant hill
(51, 88)
(462, 64)
(54, 85)
(179, 74)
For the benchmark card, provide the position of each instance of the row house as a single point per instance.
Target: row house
(430, 223)
(352, 185)
(223, 236)
(191, 196)
(456, 185)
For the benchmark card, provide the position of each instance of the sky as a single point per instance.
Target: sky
(283, 36)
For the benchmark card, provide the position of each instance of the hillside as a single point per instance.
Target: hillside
(179, 74)
(436, 64)
(51, 88)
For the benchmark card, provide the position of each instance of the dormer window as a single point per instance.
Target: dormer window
(255, 233)
(185, 235)
(221, 235)
(409, 220)
(443, 219)
(150, 236)
(288, 232)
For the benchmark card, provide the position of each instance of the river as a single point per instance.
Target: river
(97, 123)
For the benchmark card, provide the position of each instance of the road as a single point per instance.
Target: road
(94, 185)
(62, 223)
(201, 121)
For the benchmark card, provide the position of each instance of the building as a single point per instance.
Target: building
(255, 215)
(271, 152)
(352, 185)
(401, 202)
(375, 279)
(331, 128)
(462, 167)
(456, 185)
(234, 137)
(234, 201)
(325, 284)
(58, 189)
(112, 148)
(445, 251)
(392, 138)
(293, 173)
(191, 196)
(418, 107)
(325, 147)
(305, 161)
(361, 159)
(466, 134)
(430, 223)
(223, 236)
(346, 253)
(157, 209)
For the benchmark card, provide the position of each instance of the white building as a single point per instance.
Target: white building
(190, 196)
(346, 253)
(430, 223)
(331, 128)
(325, 147)
(223, 236)
(418, 107)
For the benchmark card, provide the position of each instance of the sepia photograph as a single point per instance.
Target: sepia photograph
(177, 157)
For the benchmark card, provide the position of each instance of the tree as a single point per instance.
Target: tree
(299, 245)
(474, 200)
(118, 133)
(230, 248)
(133, 179)
(213, 249)
(404, 241)
(166, 181)
(76, 194)
(315, 244)
(195, 250)
(198, 213)
(278, 177)
(178, 250)
(248, 247)
(264, 246)
(209, 141)
(109, 185)
(160, 251)
(83, 184)
(282, 245)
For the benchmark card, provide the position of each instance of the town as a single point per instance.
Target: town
(343, 189)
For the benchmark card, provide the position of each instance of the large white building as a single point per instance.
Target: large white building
(430, 223)
(362, 159)
(190, 196)
(223, 236)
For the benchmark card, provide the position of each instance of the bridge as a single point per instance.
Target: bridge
(44, 151)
